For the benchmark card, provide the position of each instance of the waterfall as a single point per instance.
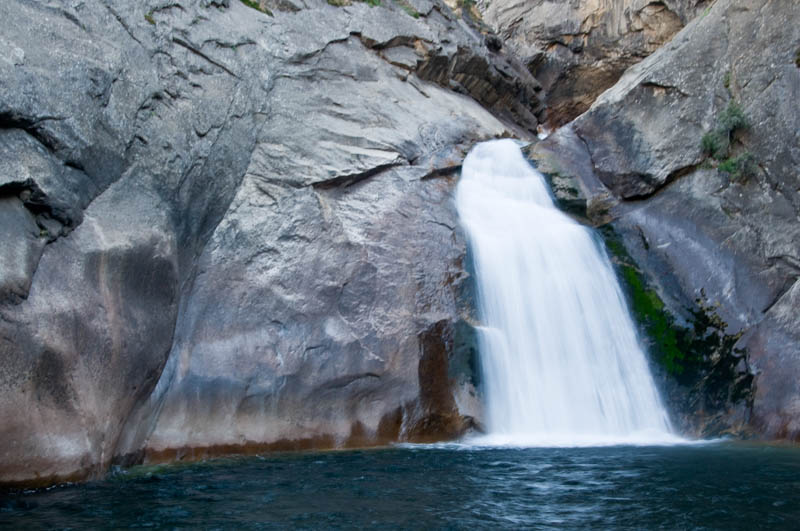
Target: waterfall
(562, 365)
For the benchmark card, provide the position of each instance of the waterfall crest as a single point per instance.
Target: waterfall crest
(561, 362)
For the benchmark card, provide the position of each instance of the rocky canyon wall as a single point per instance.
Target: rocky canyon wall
(579, 48)
(228, 229)
(691, 162)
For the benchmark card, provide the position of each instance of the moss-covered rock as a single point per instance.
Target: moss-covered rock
(702, 373)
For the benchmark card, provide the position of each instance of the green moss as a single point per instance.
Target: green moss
(408, 8)
(727, 166)
(649, 312)
(733, 118)
(257, 6)
(700, 356)
(739, 167)
(371, 3)
(703, 368)
(149, 18)
(648, 309)
(614, 245)
(717, 144)
(671, 346)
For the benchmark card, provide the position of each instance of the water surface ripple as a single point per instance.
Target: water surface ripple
(719, 486)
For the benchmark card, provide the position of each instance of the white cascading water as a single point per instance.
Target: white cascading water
(562, 365)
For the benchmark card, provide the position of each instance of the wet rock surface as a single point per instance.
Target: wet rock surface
(578, 49)
(713, 243)
(226, 229)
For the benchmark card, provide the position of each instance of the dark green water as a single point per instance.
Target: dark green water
(716, 486)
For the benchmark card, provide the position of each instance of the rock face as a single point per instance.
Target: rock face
(716, 237)
(229, 229)
(225, 229)
(578, 49)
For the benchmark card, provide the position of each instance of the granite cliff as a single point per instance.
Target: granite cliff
(228, 226)
(690, 163)
(579, 48)
(230, 229)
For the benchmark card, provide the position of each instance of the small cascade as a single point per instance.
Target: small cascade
(561, 362)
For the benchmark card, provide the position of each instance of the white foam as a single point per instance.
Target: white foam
(561, 362)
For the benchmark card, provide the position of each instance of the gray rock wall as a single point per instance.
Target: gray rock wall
(718, 241)
(227, 230)
(578, 49)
